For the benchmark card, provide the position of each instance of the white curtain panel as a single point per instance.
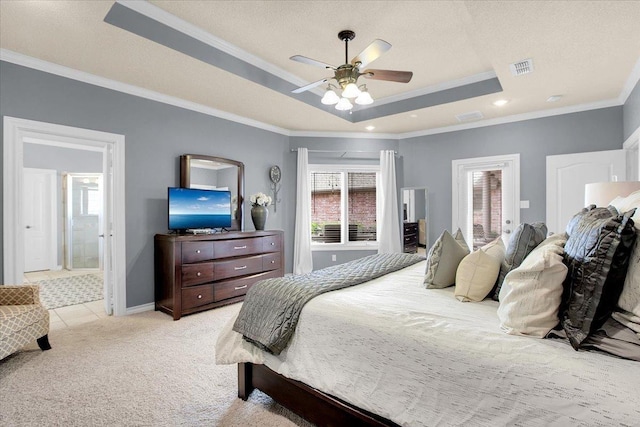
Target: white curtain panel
(387, 201)
(302, 260)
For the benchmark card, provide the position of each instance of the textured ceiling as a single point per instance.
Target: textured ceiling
(585, 51)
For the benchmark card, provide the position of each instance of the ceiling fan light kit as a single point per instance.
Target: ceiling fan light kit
(348, 73)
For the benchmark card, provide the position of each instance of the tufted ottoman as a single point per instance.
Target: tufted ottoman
(22, 319)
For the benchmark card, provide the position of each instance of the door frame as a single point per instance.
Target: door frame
(18, 131)
(459, 165)
(53, 207)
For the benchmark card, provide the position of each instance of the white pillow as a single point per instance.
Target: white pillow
(443, 259)
(630, 296)
(531, 294)
(476, 275)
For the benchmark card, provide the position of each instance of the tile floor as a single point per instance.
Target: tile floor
(71, 315)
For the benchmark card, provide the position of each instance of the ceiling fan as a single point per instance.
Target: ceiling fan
(348, 73)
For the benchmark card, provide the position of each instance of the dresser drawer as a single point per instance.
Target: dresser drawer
(237, 267)
(271, 261)
(196, 274)
(238, 287)
(271, 243)
(196, 296)
(238, 247)
(196, 251)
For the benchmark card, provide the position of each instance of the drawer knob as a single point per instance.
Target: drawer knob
(197, 251)
(237, 288)
(198, 274)
(273, 243)
(273, 261)
(240, 247)
(240, 268)
(199, 296)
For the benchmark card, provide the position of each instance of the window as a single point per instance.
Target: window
(343, 205)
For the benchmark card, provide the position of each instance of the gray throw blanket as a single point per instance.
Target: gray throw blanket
(271, 308)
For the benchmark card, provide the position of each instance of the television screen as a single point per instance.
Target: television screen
(191, 208)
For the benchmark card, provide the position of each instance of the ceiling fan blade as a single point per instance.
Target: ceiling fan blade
(305, 60)
(390, 75)
(371, 52)
(310, 85)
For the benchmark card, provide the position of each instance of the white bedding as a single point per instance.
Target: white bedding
(419, 357)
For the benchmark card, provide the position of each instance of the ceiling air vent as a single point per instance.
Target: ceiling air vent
(469, 117)
(521, 67)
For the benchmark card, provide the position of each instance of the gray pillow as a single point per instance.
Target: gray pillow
(443, 259)
(524, 239)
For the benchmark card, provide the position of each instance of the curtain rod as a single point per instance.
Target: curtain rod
(343, 151)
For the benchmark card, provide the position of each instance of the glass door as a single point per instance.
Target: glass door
(84, 207)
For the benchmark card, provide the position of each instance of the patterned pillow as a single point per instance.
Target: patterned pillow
(443, 259)
(597, 255)
(531, 294)
(523, 240)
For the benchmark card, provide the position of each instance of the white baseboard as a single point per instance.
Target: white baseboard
(140, 308)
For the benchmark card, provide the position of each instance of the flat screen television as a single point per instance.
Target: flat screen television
(191, 208)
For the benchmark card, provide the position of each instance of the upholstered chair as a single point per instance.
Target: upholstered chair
(22, 319)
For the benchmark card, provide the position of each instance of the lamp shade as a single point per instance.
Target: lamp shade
(344, 104)
(330, 97)
(350, 91)
(602, 193)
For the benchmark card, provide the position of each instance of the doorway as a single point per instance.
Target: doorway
(486, 197)
(17, 133)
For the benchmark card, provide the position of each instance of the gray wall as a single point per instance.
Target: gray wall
(631, 112)
(156, 135)
(427, 159)
(62, 160)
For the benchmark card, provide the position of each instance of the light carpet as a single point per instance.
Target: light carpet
(138, 370)
(72, 290)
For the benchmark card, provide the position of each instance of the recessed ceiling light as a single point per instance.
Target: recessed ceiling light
(370, 127)
(413, 116)
(500, 102)
(554, 98)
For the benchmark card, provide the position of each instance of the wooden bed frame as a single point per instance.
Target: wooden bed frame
(311, 404)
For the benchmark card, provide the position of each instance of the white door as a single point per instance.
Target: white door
(40, 232)
(567, 175)
(486, 197)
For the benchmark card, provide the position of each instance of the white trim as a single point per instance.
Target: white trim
(515, 118)
(478, 162)
(141, 308)
(157, 14)
(487, 75)
(631, 83)
(632, 141)
(70, 73)
(59, 70)
(15, 131)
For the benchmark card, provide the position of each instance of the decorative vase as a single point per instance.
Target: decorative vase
(259, 216)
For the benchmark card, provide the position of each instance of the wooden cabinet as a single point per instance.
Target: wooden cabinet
(410, 237)
(199, 272)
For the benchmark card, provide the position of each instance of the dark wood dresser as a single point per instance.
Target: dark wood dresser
(410, 237)
(198, 272)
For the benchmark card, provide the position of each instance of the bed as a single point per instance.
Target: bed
(402, 349)
(390, 352)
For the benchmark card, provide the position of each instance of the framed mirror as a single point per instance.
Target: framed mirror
(216, 173)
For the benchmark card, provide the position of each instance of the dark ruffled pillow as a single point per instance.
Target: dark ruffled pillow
(524, 239)
(597, 256)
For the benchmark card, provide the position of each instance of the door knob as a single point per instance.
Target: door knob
(508, 221)
(28, 226)
(507, 231)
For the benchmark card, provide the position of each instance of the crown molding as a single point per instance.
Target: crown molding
(154, 12)
(516, 118)
(487, 75)
(62, 71)
(48, 67)
(631, 83)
